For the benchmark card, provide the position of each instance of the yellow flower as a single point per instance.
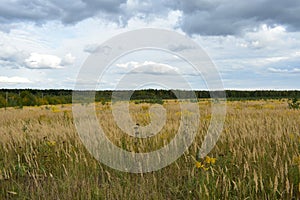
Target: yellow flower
(213, 160)
(200, 165)
(51, 143)
(207, 160)
(55, 109)
(210, 160)
(296, 160)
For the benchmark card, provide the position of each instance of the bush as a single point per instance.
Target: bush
(293, 103)
(2, 101)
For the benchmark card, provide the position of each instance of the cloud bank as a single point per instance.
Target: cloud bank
(253, 44)
(204, 17)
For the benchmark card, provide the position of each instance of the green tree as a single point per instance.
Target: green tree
(27, 98)
(2, 102)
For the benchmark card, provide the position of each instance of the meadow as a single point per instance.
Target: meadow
(256, 157)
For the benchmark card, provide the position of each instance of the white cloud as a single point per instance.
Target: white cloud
(276, 59)
(11, 57)
(43, 61)
(14, 79)
(47, 61)
(7, 51)
(274, 70)
(266, 36)
(91, 48)
(127, 65)
(68, 59)
(148, 67)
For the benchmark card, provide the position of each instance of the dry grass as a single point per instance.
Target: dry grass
(257, 156)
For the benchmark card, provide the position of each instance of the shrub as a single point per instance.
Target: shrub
(293, 103)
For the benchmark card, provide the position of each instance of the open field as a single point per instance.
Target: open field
(256, 157)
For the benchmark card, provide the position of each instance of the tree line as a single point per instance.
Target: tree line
(33, 97)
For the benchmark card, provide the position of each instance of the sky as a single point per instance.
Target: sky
(254, 45)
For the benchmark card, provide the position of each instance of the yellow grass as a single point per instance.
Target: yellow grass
(256, 157)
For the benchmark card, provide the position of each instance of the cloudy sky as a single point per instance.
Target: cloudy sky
(254, 45)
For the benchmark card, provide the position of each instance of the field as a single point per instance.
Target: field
(256, 157)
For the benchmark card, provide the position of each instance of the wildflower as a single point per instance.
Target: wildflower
(51, 143)
(291, 136)
(210, 160)
(200, 165)
(296, 160)
(55, 109)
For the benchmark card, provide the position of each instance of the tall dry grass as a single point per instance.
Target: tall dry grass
(257, 156)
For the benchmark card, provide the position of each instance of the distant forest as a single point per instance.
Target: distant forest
(32, 97)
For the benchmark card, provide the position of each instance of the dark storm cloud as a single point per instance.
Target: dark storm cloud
(232, 17)
(67, 11)
(206, 17)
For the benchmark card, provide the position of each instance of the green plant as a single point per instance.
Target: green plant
(293, 103)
